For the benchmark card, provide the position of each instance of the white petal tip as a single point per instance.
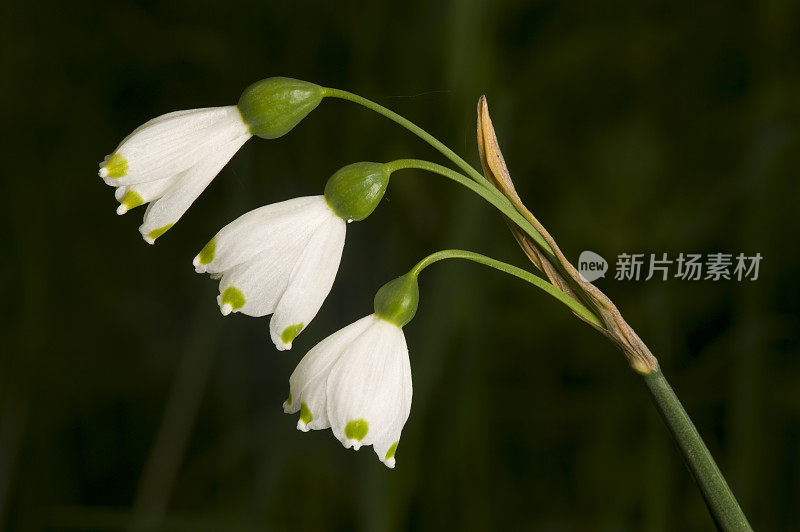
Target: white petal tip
(354, 444)
(199, 268)
(226, 309)
(103, 172)
(302, 426)
(122, 209)
(390, 463)
(150, 240)
(282, 346)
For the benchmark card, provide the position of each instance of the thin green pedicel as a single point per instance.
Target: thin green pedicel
(233, 297)
(290, 332)
(155, 233)
(206, 254)
(356, 429)
(305, 414)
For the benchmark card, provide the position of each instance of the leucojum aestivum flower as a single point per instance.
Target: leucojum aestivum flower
(282, 259)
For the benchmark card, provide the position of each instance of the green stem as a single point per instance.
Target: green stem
(503, 205)
(721, 503)
(525, 275)
(415, 129)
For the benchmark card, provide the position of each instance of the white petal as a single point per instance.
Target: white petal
(310, 282)
(258, 283)
(386, 444)
(172, 143)
(141, 193)
(178, 198)
(307, 385)
(292, 221)
(365, 388)
(119, 193)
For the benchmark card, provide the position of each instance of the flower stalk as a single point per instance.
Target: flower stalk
(719, 498)
(525, 275)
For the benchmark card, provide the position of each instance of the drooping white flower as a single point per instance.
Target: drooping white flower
(358, 382)
(170, 160)
(280, 259)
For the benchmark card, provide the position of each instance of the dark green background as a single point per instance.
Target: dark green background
(628, 126)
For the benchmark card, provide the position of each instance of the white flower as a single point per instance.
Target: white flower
(170, 160)
(358, 382)
(280, 259)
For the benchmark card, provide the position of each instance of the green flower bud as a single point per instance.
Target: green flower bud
(354, 191)
(273, 106)
(396, 301)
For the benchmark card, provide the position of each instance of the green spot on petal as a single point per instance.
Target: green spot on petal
(290, 332)
(391, 451)
(117, 166)
(233, 296)
(289, 400)
(132, 199)
(356, 429)
(305, 414)
(155, 233)
(207, 253)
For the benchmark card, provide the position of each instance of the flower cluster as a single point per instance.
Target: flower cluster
(281, 259)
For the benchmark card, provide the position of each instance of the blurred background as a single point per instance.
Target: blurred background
(128, 403)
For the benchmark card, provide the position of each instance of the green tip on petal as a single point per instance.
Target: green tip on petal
(305, 414)
(115, 167)
(132, 199)
(290, 332)
(289, 400)
(206, 254)
(391, 451)
(356, 429)
(155, 233)
(234, 297)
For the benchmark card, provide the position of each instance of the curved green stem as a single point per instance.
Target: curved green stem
(415, 129)
(525, 275)
(503, 205)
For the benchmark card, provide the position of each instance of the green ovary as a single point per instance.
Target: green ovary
(233, 297)
(356, 429)
(207, 253)
(391, 451)
(305, 414)
(155, 233)
(117, 166)
(290, 332)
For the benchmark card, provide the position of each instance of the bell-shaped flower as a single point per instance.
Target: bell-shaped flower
(358, 382)
(170, 160)
(280, 259)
